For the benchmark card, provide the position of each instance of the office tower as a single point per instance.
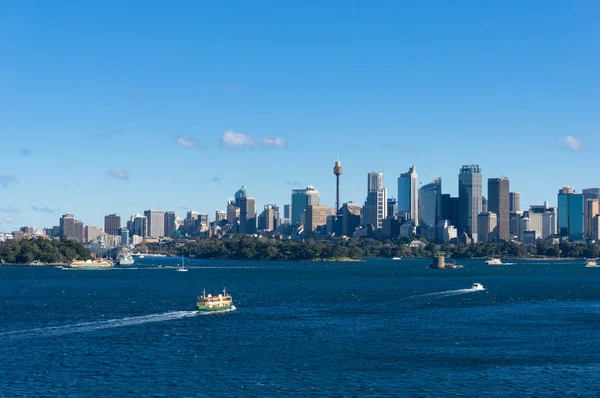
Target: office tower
(91, 233)
(203, 223)
(241, 193)
(350, 218)
(484, 204)
(302, 198)
(170, 226)
(112, 223)
(470, 199)
(549, 223)
(287, 213)
(392, 207)
(591, 210)
(156, 223)
(78, 229)
(430, 203)
(138, 226)
(220, 216)
(450, 209)
(315, 216)
(269, 219)
(498, 202)
(375, 208)
(486, 226)
(337, 170)
(67, 226)
(514, 201)
(124, 236)
(247, 215)
(191, 224)
(591, 193)
(514, 224)
(374, 181)
(408, 195)
(596, 229)
(570, 214)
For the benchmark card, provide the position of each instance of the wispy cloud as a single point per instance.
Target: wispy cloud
(9, 210)
(119, 174)
(184, 208)
(216, 180)
(25, 152)
(6, 180)
(188, 142)
(8, 220)
(274, 142)
(44, 209)
(573, 143)
(293, 184)
(233, 139)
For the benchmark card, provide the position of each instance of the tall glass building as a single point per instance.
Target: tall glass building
(408, 195)
(430, 202)
(570, 214)
(300, 199)
(469, 198)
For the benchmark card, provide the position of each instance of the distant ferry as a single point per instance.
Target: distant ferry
(591, 263)
(125, 258)
(396, 258)
(494, 261)
(210, 303)
(91, 264)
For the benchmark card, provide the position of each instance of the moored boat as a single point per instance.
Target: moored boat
(210, 303)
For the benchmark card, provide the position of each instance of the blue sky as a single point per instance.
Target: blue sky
(111, 106)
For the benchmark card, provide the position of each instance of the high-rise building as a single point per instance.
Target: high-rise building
(67, 226)
(315, 216)
(570, 214)
(287, 213)
(430, 203)
(124, 236)
(486, 225)
(408, 195)
(350, 218)
(138, 226)
(91, 233)
(156, 223)
(450, 209)
(337, 170)
(220, 216)
(374, 181)
(78, 229)
(591, 193)
(469, 198)
(302, 198)
(498, 202)
(591, 210)
(514, 224)
(375, 208)
(269, 219)
(514, 201)
(112, 223)
(241, 193)
(191, 224)
(247, 215)
(392, 207)
(170, 225)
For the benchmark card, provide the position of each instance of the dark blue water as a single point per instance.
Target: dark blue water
(378, 328)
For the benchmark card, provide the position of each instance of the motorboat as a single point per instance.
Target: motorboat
(477, 286)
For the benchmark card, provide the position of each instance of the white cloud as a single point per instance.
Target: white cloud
(9, 209)
(5, 180)
(233, 139)
(188, 142)
(44, 209)
(8, 220)
(274, 141)
(119, 174)
(573, 143)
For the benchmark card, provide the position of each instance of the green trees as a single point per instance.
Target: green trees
(25, 251)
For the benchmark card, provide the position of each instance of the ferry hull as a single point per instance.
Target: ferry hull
(213, 309)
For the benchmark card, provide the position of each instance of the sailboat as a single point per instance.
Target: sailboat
(182, 268)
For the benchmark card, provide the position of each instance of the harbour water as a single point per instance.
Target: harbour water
(378, 328)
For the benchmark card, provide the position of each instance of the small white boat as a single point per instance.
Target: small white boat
(182, 267)
(591, 263)
(396, 258)
(477, 286)
(494, 261)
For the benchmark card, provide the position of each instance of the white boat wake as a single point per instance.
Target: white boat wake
(446, 293)
(52, 331)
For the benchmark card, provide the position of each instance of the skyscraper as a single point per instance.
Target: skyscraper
(67, 226)
(302, 198)
(350, 214)
(91, 233)
(408, 195)
(430, 203)
(269, 219)
(469, 198)
(241, 193)
(486, 225)
(392, 207)
(156, 223)
(591, 210)
(498, 202)
(514, 202)
(247, 215)
(337, 170)
(112, 223)
(316, 215)
(78, 230)
(138, 225)
(170, 226)
(375, 208)
(570, 214)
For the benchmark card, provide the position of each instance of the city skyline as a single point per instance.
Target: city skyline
(104, 112)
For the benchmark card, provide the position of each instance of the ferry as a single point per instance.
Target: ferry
(91, 264)
(494, 261)
(396, 258)
(210, 303)
(125, 258)
(477, 286)
(591, 263)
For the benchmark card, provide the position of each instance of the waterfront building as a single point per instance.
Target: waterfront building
(498, 202)
(300, 199)
(408, 195)
(469, 198)
(430, 203)
(112, 223)
(156, 223)
(514, 202)
(570, 214)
